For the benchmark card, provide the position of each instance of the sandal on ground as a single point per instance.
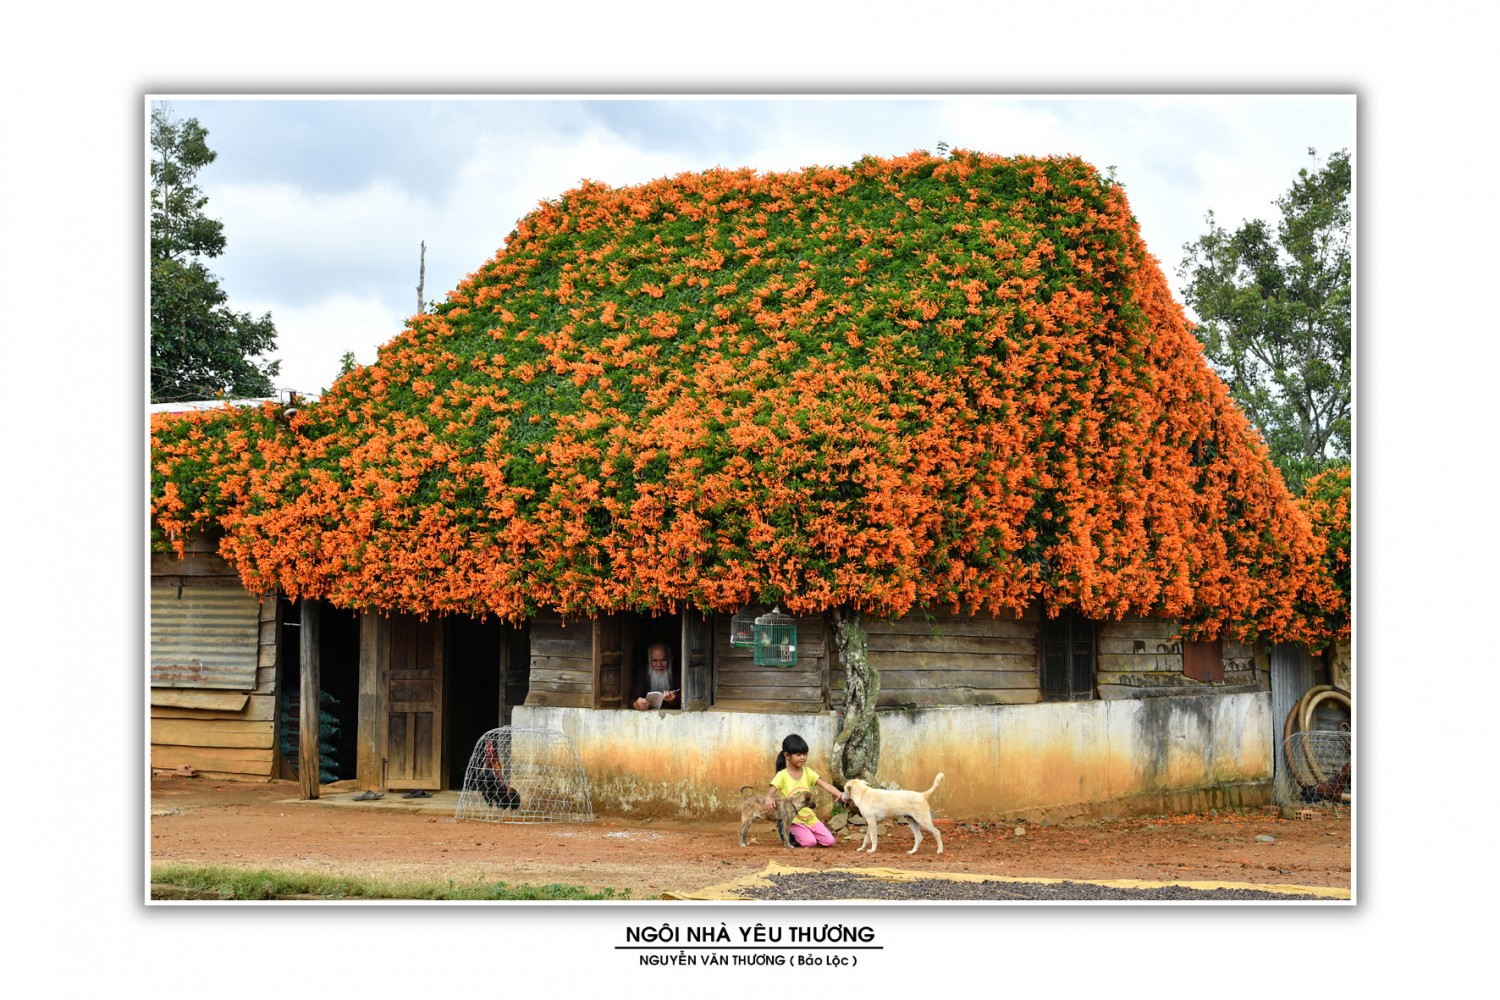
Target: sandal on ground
(368, 796)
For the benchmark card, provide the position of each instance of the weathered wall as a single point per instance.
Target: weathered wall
(742, 686)
(220, 734)
(1143, 658)
(225, 734)
(925, 660)
(562, 661)
(1340, 665)
(679, 763)
(938, 658)
(1044, 761)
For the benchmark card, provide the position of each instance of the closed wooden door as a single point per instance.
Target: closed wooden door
(414, 704)
(611, 672)
(697, 663)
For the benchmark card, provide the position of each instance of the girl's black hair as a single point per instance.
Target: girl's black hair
(792, 744)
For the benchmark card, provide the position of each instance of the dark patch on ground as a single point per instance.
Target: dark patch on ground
(843, 885)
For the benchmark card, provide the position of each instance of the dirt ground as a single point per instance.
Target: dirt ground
(264, 825)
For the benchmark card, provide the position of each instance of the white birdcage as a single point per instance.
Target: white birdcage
(742, 626)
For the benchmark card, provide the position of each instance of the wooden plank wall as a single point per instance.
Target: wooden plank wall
(1139, 658)
(949, 659)
(740, 685)
(1244, 669)
(221, 741)
(562, 662)
(924, 661)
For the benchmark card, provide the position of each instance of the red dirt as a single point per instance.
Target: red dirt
(263, 825)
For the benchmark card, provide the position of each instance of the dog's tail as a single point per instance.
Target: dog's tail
(935, 782)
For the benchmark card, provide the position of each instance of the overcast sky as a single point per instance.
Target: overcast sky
(326, 203)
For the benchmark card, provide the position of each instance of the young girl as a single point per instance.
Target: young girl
(792, 773)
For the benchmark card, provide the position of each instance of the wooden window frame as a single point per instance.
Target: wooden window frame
(1077, 634)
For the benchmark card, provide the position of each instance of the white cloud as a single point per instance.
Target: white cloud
(304, 241)
(505, 177)
(1006, 129)
(311, 339)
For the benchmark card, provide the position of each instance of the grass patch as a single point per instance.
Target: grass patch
(219, 882)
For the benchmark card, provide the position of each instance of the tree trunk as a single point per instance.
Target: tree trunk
(856, 749)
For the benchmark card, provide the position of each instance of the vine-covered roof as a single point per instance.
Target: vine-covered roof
(911, 382)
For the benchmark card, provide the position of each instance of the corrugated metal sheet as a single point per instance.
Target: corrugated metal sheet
(204, 637)
(1291, 676)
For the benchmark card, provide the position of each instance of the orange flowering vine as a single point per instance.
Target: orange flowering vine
(907, 382)
(1327, 499)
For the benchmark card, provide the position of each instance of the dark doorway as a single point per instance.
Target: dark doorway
(338, 676)
(489, 664)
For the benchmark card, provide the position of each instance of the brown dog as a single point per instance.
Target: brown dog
(782, 813)
(876, 804)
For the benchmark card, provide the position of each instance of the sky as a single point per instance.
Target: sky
(326, 203)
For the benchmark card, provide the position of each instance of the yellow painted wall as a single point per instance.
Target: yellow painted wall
(1054, 761)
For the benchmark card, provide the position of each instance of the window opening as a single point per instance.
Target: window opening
(1067, 658)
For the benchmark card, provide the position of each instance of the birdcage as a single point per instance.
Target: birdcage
(775, 639)
(518, 775)
(742, 626)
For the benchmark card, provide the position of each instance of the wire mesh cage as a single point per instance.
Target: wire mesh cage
(518, 775)
(775, 639)
(1318, 769)
(742, 627)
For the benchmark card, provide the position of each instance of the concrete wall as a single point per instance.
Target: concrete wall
(1049, 762)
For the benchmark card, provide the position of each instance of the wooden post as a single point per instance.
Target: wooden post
(502, 714)
(373, 635)
(422, 280)
(309, 766)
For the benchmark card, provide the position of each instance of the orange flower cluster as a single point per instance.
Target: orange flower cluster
(915, 381)
(1326, 499)
(203, 464)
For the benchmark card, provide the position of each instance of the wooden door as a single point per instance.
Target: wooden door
(414, 704)
(696, 660)
(611, 674)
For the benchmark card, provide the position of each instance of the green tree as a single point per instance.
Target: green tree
(1273, 308)
(199, 347)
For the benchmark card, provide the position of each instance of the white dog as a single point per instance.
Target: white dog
(877, 804)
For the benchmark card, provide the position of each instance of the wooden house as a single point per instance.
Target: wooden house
(898, 388)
